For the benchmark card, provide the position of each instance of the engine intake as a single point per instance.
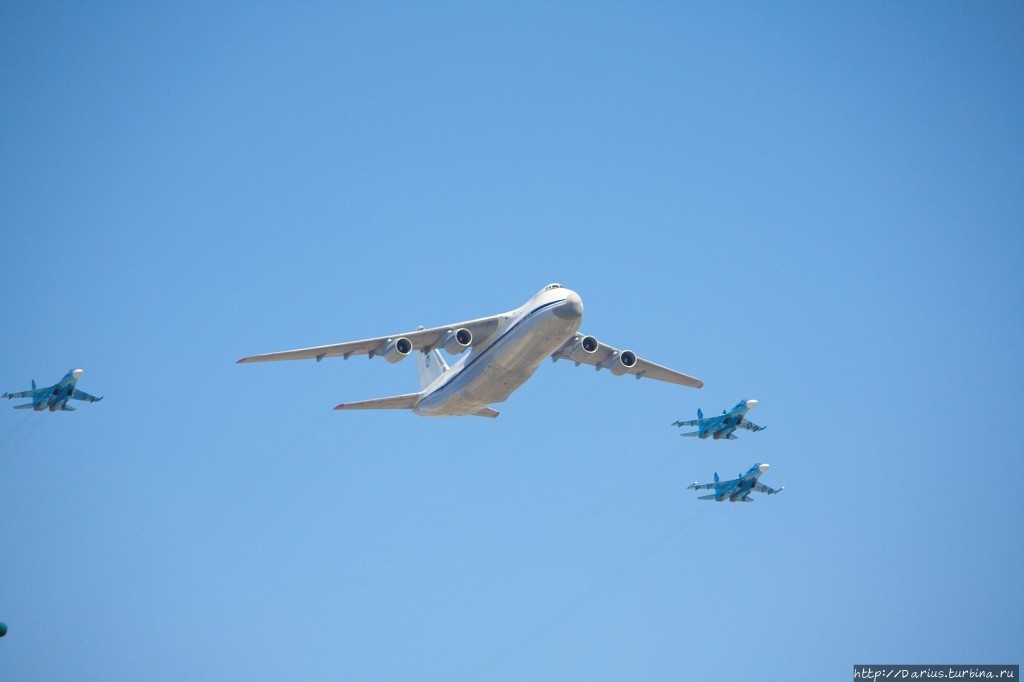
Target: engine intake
(394, 350)
(621, 362)
(457, 340)
(583, 348)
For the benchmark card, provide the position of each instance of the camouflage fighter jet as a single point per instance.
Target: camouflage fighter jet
(724, 424)
(738, 489)
(54, 397)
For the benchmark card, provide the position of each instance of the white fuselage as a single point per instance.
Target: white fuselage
(492, 371)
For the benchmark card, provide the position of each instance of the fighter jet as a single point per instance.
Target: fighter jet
(54, 397)
(724, 424)
(738, 489)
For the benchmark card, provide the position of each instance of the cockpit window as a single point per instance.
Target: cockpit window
(552, 286)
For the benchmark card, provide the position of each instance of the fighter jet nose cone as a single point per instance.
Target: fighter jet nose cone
(751, 404)
(571, 308)
(77, 373)
(764, 467)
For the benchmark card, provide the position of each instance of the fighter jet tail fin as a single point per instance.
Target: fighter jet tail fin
(33, 384)
(26, 406)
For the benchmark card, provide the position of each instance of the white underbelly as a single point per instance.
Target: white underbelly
(500, 368)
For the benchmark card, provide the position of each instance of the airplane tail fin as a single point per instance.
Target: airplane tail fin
(431, 365)
(26, 406)
(700, 414)
(397, 402)
(33, 384)
(716, 477)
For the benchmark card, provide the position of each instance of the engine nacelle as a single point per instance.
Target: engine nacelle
(394, 350)
(583, 349)
(457, 340)
(621, 362)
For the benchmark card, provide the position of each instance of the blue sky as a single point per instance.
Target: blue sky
(819, 206)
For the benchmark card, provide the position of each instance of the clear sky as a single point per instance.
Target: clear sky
(820, 206)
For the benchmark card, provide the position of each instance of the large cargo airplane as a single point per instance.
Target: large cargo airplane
(505, 351)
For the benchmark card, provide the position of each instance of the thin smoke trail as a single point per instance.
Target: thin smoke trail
(542, 635)
(628, 567)
(16, 429)
(14, 438)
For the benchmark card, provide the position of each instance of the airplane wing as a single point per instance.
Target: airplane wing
(19, 394)
(82, 395)
(709, 422)
(762, 488)
(587, 350)
(424, 339)
(700, 486)
(750, 426)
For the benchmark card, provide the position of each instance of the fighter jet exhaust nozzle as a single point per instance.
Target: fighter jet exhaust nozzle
(394, 350)
(457, 340)
(623, 362)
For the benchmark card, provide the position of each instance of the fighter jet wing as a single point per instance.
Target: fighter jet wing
(424, 339)
(82, 395)
(709, 422)
(750, 426)
(587, 350)
(762, 488)
(700, 486)
(19, 394)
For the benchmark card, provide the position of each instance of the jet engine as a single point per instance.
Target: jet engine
(394, 350)
(583, 348)
(621, 362)
(457, 340)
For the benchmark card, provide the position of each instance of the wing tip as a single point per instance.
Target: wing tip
(339, 406)
(245, 359)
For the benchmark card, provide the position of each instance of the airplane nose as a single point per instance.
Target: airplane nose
(77, 374)
(764, 467)
(571, 308)
(751, 404)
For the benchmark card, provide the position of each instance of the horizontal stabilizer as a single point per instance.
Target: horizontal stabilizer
(26, 406)
(706, 497)
(67, 408)
(397, 402)
(486, 412)
(692, 434)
